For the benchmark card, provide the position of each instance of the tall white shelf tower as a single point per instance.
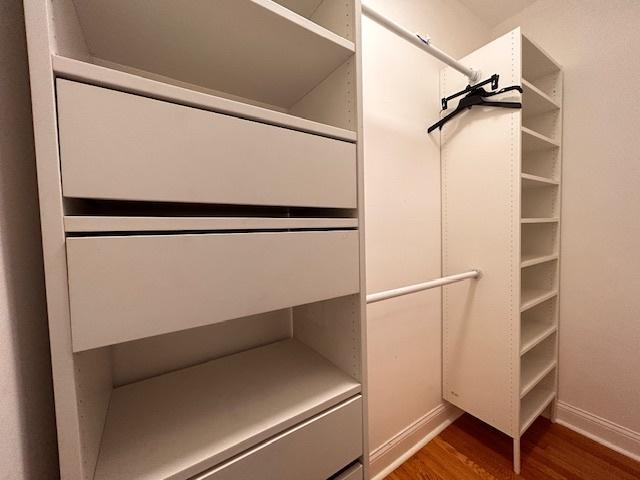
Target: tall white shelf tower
(501, 213)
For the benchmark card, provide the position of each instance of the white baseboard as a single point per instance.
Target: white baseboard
(386, 458)
(609, 434)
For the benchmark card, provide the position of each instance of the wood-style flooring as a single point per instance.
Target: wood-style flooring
(471, 450)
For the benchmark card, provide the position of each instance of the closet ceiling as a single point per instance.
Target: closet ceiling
(493, 12)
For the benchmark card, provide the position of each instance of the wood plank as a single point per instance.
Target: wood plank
(177, 425)
(91, 223)
(471, 450)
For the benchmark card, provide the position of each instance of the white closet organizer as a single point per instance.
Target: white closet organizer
(200, 181)
(501, 213)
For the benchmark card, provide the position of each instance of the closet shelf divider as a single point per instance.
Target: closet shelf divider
(535, 336)
(529, 180)
(535, 101)
(532, 298)
(537, 259)
(533, 141)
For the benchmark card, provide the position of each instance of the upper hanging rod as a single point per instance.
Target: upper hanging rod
(438, 282)
(421, 41)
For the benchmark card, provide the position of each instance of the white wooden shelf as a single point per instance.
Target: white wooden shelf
(536, 63)
(540, 220)
(179, 424)
(533, 405)
(535, 368)
(118, 80)
(531, 298)
(87, 223)
(533, 333)
(256, 49)
(530, 260)
(534, 181)
(535, 101)
(533, 141)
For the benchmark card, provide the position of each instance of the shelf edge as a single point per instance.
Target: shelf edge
(548, 399)
(538, 339)
(537, 301)
(537, 379)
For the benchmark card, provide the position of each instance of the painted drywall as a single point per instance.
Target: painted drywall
(402, 193)
(27, 439)
(596, 43)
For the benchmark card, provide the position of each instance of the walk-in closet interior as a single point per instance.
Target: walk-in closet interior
(321, 240)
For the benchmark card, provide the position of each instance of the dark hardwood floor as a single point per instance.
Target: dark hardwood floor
(470, 449)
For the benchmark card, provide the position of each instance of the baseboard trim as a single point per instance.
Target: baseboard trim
(386, 458)
(609, 434)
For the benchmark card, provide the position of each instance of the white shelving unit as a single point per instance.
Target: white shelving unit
(501, 213)
(201, 162)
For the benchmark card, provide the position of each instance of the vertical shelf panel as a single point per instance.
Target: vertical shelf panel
(481, 319)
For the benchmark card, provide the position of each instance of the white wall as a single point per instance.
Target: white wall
(402, 193)
(27, 429)
(597, 41)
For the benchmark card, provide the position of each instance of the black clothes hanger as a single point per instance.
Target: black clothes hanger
(476, 97)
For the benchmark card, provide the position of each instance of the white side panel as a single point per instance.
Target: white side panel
(481, 228)
(314, 450)
(124, 288)
(126, 147)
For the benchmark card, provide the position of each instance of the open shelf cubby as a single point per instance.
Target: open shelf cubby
(541, 71)
(539, 243)
(539, 200)
(180, 423)
(537, 324)
(293, 58)
(536, 363)
(537, 400)
(538, 283)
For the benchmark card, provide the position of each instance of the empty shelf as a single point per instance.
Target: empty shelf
(540, 220)
(533, 405)
(531, 298)
(256, 49)
(536, 364)
(533, 333)
(535, 101)
(178, 424)
(536, 62)
(534, 141)
(530, 260)
(533, 181)
(87, 223)
(111, 78)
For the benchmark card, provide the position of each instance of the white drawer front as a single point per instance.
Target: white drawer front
(120, 146)
(128, 287)
(314, 450)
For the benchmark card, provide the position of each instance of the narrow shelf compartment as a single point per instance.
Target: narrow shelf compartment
(226, 45)
(541, 201)
(533, 141)
(540, 69)
(538, 283)
(90, 223)
(179, 424)
(533, 297)
(534, 181)
(535, 101)
(537, 324)
(116, 79)
(537, 363)
(539, 242)
(536, 401)
(531, 260)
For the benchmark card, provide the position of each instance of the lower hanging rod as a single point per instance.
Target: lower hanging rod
(438, 282)
(421, 41)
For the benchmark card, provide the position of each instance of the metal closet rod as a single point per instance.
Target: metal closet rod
(438, 282)
(421, 41)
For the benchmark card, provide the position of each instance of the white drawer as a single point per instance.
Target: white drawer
(127, 287)
(314, 450)
(120, 146)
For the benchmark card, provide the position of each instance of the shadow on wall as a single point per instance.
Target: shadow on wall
(28, 440)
